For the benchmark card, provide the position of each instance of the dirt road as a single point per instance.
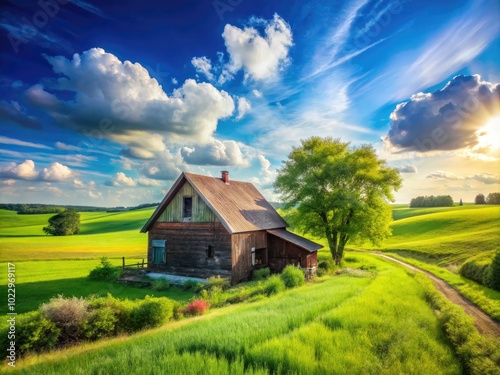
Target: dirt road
(483, 322)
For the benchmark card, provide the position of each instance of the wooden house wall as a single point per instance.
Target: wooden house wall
(200, 211)
(281, 253)
(242, 244)
(187, 249)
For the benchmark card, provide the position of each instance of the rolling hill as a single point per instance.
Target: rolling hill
(113, 234)
(445, 235)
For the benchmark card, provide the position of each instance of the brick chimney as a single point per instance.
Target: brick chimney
(225, 177)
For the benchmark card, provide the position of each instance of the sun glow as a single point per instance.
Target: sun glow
(489, 134)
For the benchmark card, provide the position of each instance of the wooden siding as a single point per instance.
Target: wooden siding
(242, 244)
(281, 253)
(187, 246)
(174, 211)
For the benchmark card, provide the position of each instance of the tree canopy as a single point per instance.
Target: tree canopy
(64, 223)
(480, 199)
(432, 201)
(339, 191)
(493, 198)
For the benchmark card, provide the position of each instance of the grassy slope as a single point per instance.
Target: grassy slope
(343, 325)
(450, 235)
(441, 239)
(114, 234)
(37, 282)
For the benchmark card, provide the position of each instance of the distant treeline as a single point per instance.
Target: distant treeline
(432, 201)
(492, 198)
(35, 208)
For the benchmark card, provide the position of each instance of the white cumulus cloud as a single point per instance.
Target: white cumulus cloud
(26, 170)
(215, 153)
(57, 172)
(121, 102)
(203, 65)
(260, 56)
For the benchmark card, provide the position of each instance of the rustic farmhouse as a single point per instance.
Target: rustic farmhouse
(208, 226)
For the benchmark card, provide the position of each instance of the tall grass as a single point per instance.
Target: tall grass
(342, 325)
(485, 298)
(480, 355)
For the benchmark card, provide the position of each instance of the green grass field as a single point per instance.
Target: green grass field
(344, 325)
(445, 235)
(113, 234)
(37, 282)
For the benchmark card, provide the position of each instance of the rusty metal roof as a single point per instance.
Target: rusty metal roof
(296, 240)
(239, 205)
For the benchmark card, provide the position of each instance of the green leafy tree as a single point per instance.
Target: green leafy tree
(461, 203)
(339, 191)
(64, 223)
(480, 199)
(493, 198)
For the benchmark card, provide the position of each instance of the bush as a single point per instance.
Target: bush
(261, 274)
(101, 323)
(292, 276)
(35, 333)
(474, 271)
(105, 271)
(478, 354)
(274, 285)
(122, 310)
(320, 272)
(151, 312)
(69, 314)
(217, 281)
(178, 310)
(329, 264)
(214, 296)
(160, 284)
(494, 281)
(240, 297)
(197, 307)
(195, 286)
(487, 277)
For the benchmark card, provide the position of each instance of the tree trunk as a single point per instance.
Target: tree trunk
(332, 241)
(340, 248)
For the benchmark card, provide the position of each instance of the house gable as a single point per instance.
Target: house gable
(200, 212)
(237, 205)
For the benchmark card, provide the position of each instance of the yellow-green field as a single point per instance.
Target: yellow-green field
(111, 234)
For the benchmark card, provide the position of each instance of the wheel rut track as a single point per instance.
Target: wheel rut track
(483, 322)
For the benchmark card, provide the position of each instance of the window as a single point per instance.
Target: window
(210, 252)
(159, 255)
(187, 207)
(260, 257)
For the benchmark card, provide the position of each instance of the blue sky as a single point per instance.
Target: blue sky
(105, 103)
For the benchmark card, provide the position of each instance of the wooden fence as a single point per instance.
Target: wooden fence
(142, 264)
